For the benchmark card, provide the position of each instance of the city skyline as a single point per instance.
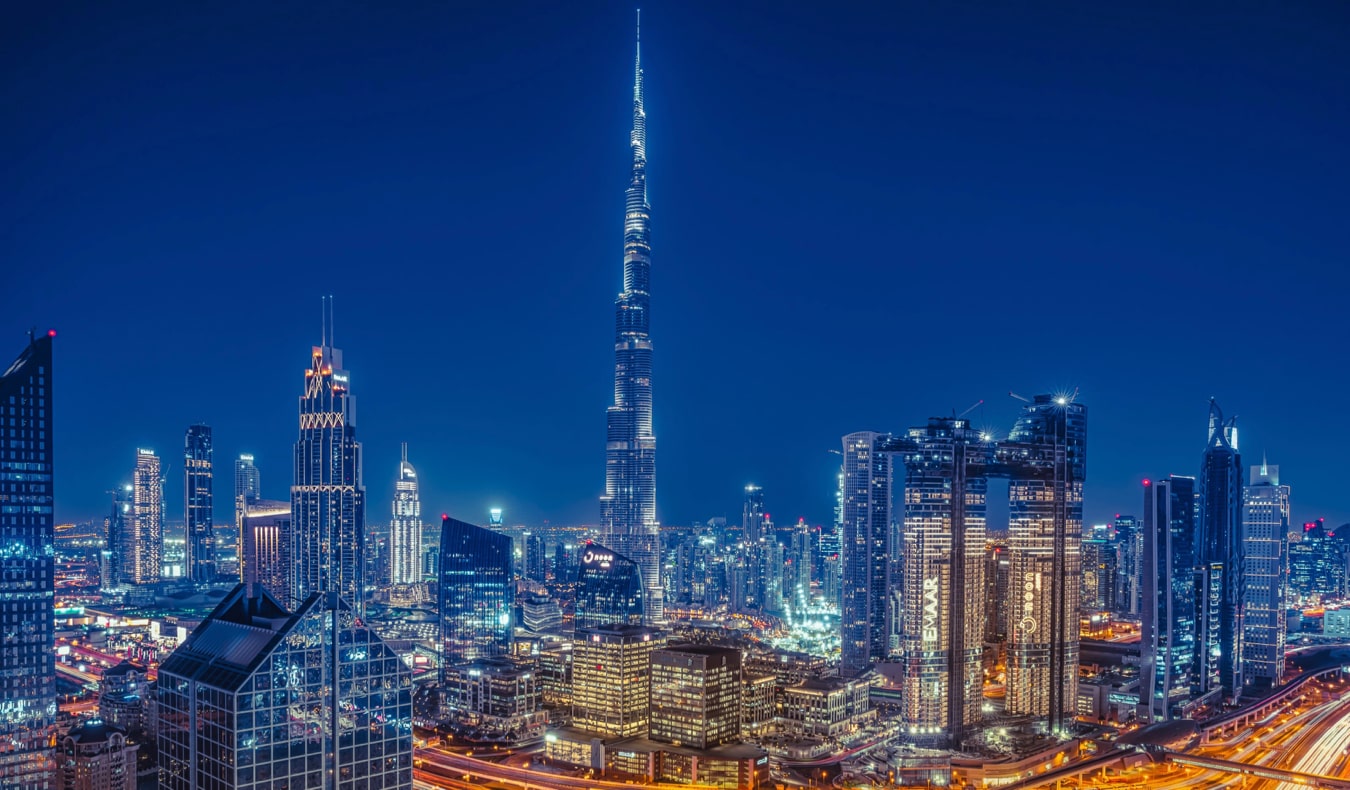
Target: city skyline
(1142, 427)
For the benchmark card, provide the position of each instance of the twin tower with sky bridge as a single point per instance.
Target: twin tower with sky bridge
(922, 545)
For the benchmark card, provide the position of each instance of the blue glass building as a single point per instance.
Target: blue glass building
(27, 575)
(477, 592)
(1169, 676)
(609, 589)
(1222, 556)
(197, 504)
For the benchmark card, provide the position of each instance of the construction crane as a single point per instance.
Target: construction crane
(977, 404)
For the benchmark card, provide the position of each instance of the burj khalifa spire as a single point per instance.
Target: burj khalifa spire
(628, 507)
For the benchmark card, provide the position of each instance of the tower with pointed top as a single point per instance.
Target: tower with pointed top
(405, 529)
(628, 506)
(328, 498)
(1222, 558)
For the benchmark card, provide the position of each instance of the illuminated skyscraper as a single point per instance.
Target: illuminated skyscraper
(752, 516)
(628, 507)
(611, 679)
(27, 584)
(197, 505)
(328, 499)
(405, 529)
(696, 695)
(266, 544)
(944, 606)
(1265, 533)
(247, 478)
(1169, 671)
(477, 588)
(609, 589)
(120, 547)
(1221, 553)
(1129, 548)
(864, 534)
(147, 508)
(1046, 460)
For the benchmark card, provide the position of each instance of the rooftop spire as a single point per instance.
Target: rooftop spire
(639, 140)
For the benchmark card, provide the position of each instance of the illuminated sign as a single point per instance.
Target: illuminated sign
(930, 607)
(591, 557)
(1031, 583)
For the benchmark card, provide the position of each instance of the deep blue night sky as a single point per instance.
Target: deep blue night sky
(862, 217)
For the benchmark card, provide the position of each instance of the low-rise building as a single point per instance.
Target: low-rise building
(829, 707)
(121, 696)
(498, 695)
(95, 755)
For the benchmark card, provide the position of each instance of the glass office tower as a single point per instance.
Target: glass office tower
(477, 589)
(1265, 535)
(259, 697)
(865, 532)
(609, 588)
(197, 505)
(1169, 671)
(27, 583)
(1221, 554)
(328, 499)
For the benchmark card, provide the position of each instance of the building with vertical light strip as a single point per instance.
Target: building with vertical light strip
(1265, 534)
(266, 543)
(1169, 672)
(628, 506)
(197, 505)
(328, 498)
(944, 607)
(1046, 458)
(147, 523)
(865, 531)
(1220, 555)
(405, 528)
(27, 585)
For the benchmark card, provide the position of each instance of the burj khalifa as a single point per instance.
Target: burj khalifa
(628, 507)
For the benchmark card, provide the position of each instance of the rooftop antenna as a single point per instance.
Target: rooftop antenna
(323, 320)
(405, 452)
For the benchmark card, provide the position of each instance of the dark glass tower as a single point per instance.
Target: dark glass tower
(1168, 675)
(197, 503)
(628, 507)
(609, 588)
(27, 580)
(865, 530)
(328, 500)
(1221, 553)
(477, 587)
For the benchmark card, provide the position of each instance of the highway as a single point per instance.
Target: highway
(453, 765)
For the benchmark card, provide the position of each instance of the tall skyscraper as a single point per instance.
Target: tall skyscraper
(197, 505)
(1129, 539)
(119, 547)
(405, 529)
(752, 515)
(147, 498)
(1169, 674)
(942, 639)
(1046, 458)
(27, 575)
(1265, 533)
(259, 696)
(628, 507)
(477, 588)
(864, 534)
(328, 499)
(247, 478)
(609, 589)
(1221, 552)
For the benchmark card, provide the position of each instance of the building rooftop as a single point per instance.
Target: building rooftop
(124, 668)
(94, 731)
(700, 650)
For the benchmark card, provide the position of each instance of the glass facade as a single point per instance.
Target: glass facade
(259, 698)
(328, 500)
(27, 583)
(477, 589)
(266, 539)
(628, 506)
(865, 532)
(1169, 672)
(1221, 554)
(609, 588)
(197, 505)
(1265, 535)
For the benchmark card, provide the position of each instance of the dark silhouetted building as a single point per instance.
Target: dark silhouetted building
(198, 504)
(1169, 674)
(27, 584)
(1221, 555)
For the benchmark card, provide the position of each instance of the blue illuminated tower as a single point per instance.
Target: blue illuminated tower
(197, 504)
(1221, 556)
(27, 575)
(477, 589)
(628, 506)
